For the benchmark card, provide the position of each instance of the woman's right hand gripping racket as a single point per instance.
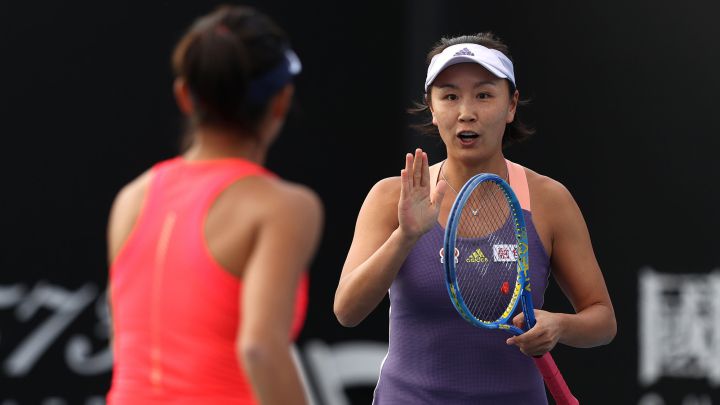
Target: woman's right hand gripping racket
(486, 217)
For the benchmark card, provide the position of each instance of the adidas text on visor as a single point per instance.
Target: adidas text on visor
(491, 59)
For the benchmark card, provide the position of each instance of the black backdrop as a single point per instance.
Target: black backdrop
(623, 98)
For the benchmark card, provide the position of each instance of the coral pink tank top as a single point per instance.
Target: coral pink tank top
(176, 311)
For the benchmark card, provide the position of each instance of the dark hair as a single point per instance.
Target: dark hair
(515, 132)
(219, 56)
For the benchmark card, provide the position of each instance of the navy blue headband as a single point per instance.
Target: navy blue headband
(266, 85)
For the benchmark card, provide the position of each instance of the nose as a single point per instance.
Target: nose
(466, 113)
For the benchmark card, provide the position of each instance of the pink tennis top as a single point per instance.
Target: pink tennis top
(176, 311)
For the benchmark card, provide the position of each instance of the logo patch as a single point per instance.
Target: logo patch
(505, 289)
(505, 253)
(442, 255)
(477, 257)
(464, 51)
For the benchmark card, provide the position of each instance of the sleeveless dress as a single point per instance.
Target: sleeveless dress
(435, 356)
(175, 309)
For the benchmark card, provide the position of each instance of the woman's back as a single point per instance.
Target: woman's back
(176, 310)
(209, 251)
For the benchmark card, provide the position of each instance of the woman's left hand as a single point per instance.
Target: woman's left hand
(542, 337)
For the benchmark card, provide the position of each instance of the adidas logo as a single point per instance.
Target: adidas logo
(464, 51)
(477, 257)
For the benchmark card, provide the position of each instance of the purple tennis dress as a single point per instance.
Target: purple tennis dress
(435, 356)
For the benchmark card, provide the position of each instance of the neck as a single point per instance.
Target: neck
(457, 173)
(215, 143)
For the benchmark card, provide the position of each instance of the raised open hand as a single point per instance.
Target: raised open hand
(417, 209)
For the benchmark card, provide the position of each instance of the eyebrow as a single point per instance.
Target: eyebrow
(478, 84)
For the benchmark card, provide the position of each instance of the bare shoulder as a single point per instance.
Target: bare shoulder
(382, 201)
(133, 193)
(125, 210)
(555, 213)
(386, 190)
(275, 196)
(293, 197)
(546, 192)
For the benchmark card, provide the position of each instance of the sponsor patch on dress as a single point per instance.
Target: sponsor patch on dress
(505, 253)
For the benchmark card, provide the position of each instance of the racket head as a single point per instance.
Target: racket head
(486, 214)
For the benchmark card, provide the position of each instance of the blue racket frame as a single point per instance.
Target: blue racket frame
(523, 279)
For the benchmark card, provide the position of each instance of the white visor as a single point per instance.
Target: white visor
(491, 59)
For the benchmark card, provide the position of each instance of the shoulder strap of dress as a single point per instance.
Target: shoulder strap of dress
(519, 184)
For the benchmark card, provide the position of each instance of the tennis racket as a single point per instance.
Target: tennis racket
(487, 225)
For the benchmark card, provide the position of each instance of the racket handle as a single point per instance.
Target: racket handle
(554, 380)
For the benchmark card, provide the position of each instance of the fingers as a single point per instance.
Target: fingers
(519, 321)
(538, 340)
(521, 341)
(439, 193)
(526, 343)
(417, 167)
(405, 180)
(425, 179)
(409, 162)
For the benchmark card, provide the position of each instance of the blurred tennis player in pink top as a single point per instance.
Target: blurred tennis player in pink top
(208, 250)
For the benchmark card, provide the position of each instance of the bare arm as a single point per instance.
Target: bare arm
(123, 215)
(578, 274)
(286, 242)
(393, 217)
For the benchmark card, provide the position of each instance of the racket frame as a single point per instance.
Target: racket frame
(521, 292)
(546, 365)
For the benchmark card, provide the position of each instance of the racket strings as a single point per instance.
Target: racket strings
(486, 224)
(476, 295)
(490, 304)
(488, 296)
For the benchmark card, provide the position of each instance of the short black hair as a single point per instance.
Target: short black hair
(219, 56)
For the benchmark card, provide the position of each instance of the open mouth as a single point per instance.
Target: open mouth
(467, 136)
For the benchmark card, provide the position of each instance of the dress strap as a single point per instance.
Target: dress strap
(519, 184)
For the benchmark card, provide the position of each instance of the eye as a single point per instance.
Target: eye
(450, 96)
(483, 96)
